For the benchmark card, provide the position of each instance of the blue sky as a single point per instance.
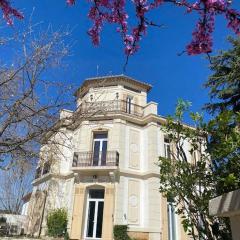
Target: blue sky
(157, 62)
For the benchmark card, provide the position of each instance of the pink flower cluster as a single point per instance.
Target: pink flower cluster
(233, 18)
(8, 12)
(70, 2)
(114, 12)
(207, 9)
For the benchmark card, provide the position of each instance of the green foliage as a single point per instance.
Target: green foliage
(224, 147)
(57, 223)
(224, 131)
(217, 144)
(66, 236)
(181, 107)
(120, 232)
(189, 181)
(3, 220)
(224, 83)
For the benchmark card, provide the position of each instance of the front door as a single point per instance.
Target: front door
(99, 149)
(94, 216)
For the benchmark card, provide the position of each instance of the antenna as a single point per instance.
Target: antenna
(97, 70)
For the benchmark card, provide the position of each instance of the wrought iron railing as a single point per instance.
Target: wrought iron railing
(91, 159)
(113, 106)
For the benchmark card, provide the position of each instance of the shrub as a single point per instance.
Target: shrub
(3, 220)
(57, 223)
(66, 236)
(120, 232)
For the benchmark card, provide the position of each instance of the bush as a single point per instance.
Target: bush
(57, 223)
(120, 232)
(3, 220)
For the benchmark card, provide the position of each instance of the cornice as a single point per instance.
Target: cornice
(49, 176)
(138, 174)
(105, 81)
(141, 121)
(141, 229)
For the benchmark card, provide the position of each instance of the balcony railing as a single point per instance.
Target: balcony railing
(91, 159)
(114, 106)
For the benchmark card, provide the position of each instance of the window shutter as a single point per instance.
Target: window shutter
(164, 218)
(107, 233)
(77, 217)
(124, 102)
(136, 106)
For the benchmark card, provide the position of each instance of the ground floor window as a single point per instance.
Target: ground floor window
(171, 221)
(94, 214)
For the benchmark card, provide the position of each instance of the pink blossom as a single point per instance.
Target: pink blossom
(102, 12)
(70, 2)
(9, 12)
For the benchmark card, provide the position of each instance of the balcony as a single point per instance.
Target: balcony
(100, 161)
(114, 106)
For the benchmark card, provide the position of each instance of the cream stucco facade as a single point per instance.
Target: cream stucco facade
(106, 173)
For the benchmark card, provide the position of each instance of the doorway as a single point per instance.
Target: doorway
(94, 214)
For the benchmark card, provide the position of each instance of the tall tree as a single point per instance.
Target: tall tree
(217, 170)
(224, 148)
(30, 98)
(224, 131)
(186, 178)
(224, 83)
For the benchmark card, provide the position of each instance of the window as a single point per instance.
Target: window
(171, 221)
(96, 193)
(46, 168)
(40, 171)
(94, 216)
(167, 150)
(129, 104)
(195, 157)
(100, 141)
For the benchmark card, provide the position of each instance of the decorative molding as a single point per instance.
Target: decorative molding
(138, 174)
(106, 81)
(140, 229)
(133, 201)
(49, 176)
(134, 149)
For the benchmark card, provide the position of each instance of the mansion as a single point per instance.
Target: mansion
(106, 172)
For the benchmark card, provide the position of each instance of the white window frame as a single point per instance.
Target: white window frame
(96, 200)
(129, 102)
(172, 223)
(167, 149)
(101, 140)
